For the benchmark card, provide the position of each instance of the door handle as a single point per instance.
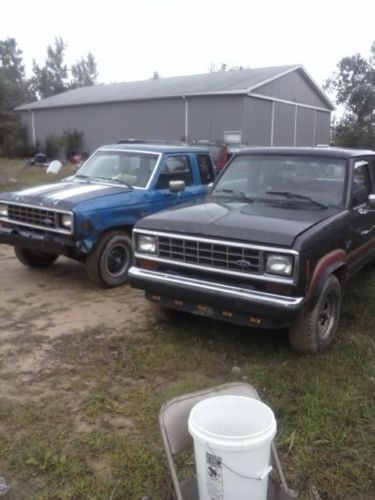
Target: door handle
(364, 211)
(367, 231)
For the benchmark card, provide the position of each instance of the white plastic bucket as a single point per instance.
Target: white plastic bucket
(232, 444)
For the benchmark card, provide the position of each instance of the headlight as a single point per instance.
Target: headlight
(3, 210)
(279, 264)
(67, 221)
(146, 244)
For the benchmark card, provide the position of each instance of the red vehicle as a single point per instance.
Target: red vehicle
(220, 151)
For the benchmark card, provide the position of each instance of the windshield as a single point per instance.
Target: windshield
(124, 167)
(293, 180)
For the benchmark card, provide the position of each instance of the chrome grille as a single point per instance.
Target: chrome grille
(40, 217)
(216, 255)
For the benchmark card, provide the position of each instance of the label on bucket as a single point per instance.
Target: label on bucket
(214, 477)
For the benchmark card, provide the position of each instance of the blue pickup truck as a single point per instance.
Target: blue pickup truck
(89, 216)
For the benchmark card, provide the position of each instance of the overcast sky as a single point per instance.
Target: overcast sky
(130, 39)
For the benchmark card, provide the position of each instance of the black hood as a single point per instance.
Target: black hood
(63, 195)
(257, 222)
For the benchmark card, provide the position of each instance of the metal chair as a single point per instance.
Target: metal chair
(173, 423)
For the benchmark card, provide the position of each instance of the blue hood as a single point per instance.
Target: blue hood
(64, 195)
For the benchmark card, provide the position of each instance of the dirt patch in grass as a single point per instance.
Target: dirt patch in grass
(84, 373)
(61, 359)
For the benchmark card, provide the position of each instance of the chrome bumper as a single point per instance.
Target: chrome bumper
(140, 278)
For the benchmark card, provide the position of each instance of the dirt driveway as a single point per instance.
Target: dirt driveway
(39, 306)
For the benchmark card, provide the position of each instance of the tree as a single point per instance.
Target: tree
(354, 87)
(52, 78)
(14, 91)
(224, 67)
(84, 72)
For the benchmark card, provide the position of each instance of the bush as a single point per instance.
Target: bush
(51, 146)
(71, 141)
(14, 144)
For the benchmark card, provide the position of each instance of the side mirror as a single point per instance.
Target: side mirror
(371, 201)
(176, 186)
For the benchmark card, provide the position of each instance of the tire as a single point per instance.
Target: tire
(34, 259)
(108, 264)
(315, 330)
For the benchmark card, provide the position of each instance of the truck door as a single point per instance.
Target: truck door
(362, 215)
(175, 167)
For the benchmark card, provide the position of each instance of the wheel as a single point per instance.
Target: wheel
(315, 330)
(109, 262)
(34, 259)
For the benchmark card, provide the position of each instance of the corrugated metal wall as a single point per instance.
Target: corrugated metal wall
(305, 129)
(284, 119)
(262, 121)
(209, 117)
(323, 127)
(292, 87)
(26, 120)
(258, 122)
(292, 125)
(107, 123)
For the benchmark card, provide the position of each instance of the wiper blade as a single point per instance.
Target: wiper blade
(297, 196)
(111, 179)
(235, 193)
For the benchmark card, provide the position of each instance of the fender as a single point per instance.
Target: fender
(325, 266)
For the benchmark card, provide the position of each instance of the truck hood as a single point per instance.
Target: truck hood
(63, 195)
(259, 223)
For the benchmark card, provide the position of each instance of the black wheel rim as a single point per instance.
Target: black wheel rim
(328, 313)
(117, 260)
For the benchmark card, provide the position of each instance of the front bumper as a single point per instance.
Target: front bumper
(37, 242)
(219, 300)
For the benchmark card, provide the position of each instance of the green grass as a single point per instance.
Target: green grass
(15, 174)
(324, 407)
(97, 436)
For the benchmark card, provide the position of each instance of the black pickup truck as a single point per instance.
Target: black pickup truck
(271, 246)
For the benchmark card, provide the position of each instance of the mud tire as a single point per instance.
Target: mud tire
(108, 264)
(35, 260)
(316, 328)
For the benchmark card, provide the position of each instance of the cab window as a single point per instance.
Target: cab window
(175, 168)
(205, 169)
(371, 170)
(361, 187)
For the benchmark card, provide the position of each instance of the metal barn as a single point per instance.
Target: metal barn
(277, 106)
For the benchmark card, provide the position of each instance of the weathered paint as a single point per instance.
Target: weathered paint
(322, 265)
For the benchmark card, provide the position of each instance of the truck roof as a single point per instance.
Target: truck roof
(156, 148)
(318, 151)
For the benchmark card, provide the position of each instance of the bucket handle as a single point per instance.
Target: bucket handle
(265, 473)
(261, 476)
